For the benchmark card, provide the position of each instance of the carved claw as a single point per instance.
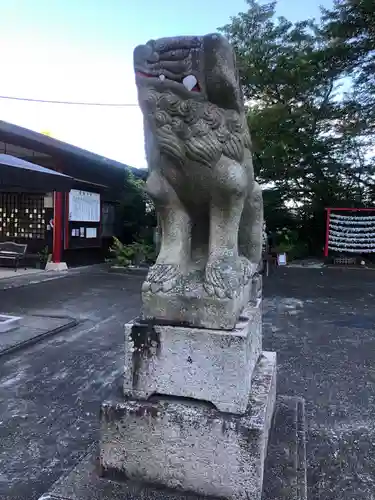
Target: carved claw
(220, 280)
(225, 279)
(210, 290)
(247, 271)
(161, 278)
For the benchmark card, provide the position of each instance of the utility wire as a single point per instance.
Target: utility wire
(108, 104)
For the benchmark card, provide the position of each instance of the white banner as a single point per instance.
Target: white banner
(337, 242)
(84, 206)
(361, 221)
(346, 229)
(348, 237)
(357, 218)
(352, 234)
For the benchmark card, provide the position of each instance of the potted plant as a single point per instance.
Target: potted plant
(43, 257)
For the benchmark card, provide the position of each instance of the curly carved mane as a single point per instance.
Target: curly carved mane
(195, 130)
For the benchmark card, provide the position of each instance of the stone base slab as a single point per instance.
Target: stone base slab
(284, 472)
(191, 306)
(8, 323)
(190, 446)
(56, 266)
(209, 365)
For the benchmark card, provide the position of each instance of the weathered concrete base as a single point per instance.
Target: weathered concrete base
(56, 266)
(31, 329)
(189, 304)
(208, 365)
(8, 323)
(284, 472)
(189, 445)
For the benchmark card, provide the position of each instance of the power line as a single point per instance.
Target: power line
(45, 101)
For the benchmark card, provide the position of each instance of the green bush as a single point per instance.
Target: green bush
(43, 255)
(287, 242)
(136, 253)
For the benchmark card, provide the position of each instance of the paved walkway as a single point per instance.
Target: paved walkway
(27, 277)
(50, 392)
(319, 321)
(7, 272)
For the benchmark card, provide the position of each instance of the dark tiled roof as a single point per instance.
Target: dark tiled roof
(75, 161)
(17, 172)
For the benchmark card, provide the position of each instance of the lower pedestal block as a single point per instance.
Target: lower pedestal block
(191, 446)
(284, 472)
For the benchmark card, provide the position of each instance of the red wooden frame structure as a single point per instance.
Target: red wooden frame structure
(328, 218)
(57, 228)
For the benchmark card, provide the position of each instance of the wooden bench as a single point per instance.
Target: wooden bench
(14, 252)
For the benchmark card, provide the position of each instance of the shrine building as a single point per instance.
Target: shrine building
(57, 197)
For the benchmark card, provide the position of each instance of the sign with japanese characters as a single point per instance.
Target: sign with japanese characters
(84, 206)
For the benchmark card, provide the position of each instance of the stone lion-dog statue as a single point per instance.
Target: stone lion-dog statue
(201, 180)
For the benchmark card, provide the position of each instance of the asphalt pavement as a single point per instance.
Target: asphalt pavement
(50, 392)
(320, 322)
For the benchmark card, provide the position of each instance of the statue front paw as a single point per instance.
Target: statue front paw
(221, 279)
(247, 270)
(224, 278)
(161, 278)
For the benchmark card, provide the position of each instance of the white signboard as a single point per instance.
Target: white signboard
(281, 259)
(91, 232)
(84, 206)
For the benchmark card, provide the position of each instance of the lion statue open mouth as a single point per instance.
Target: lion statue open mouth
(200, 168)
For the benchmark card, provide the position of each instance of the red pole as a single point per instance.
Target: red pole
(57, 228)
(66, 222)
(328, 210)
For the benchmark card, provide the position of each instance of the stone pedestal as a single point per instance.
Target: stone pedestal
(190, 305)
(203, 364)
(190, 445)
(197, 409)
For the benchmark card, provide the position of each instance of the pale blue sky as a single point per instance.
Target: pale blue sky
(81, 50)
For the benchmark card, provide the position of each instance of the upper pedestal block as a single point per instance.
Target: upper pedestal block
(204, 364)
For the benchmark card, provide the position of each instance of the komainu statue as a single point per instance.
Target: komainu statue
(201, 180)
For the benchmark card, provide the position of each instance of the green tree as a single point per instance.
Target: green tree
(350, 27)
(137, 211)
(302, 131)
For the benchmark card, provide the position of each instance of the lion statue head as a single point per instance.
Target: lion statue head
(191, 99)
